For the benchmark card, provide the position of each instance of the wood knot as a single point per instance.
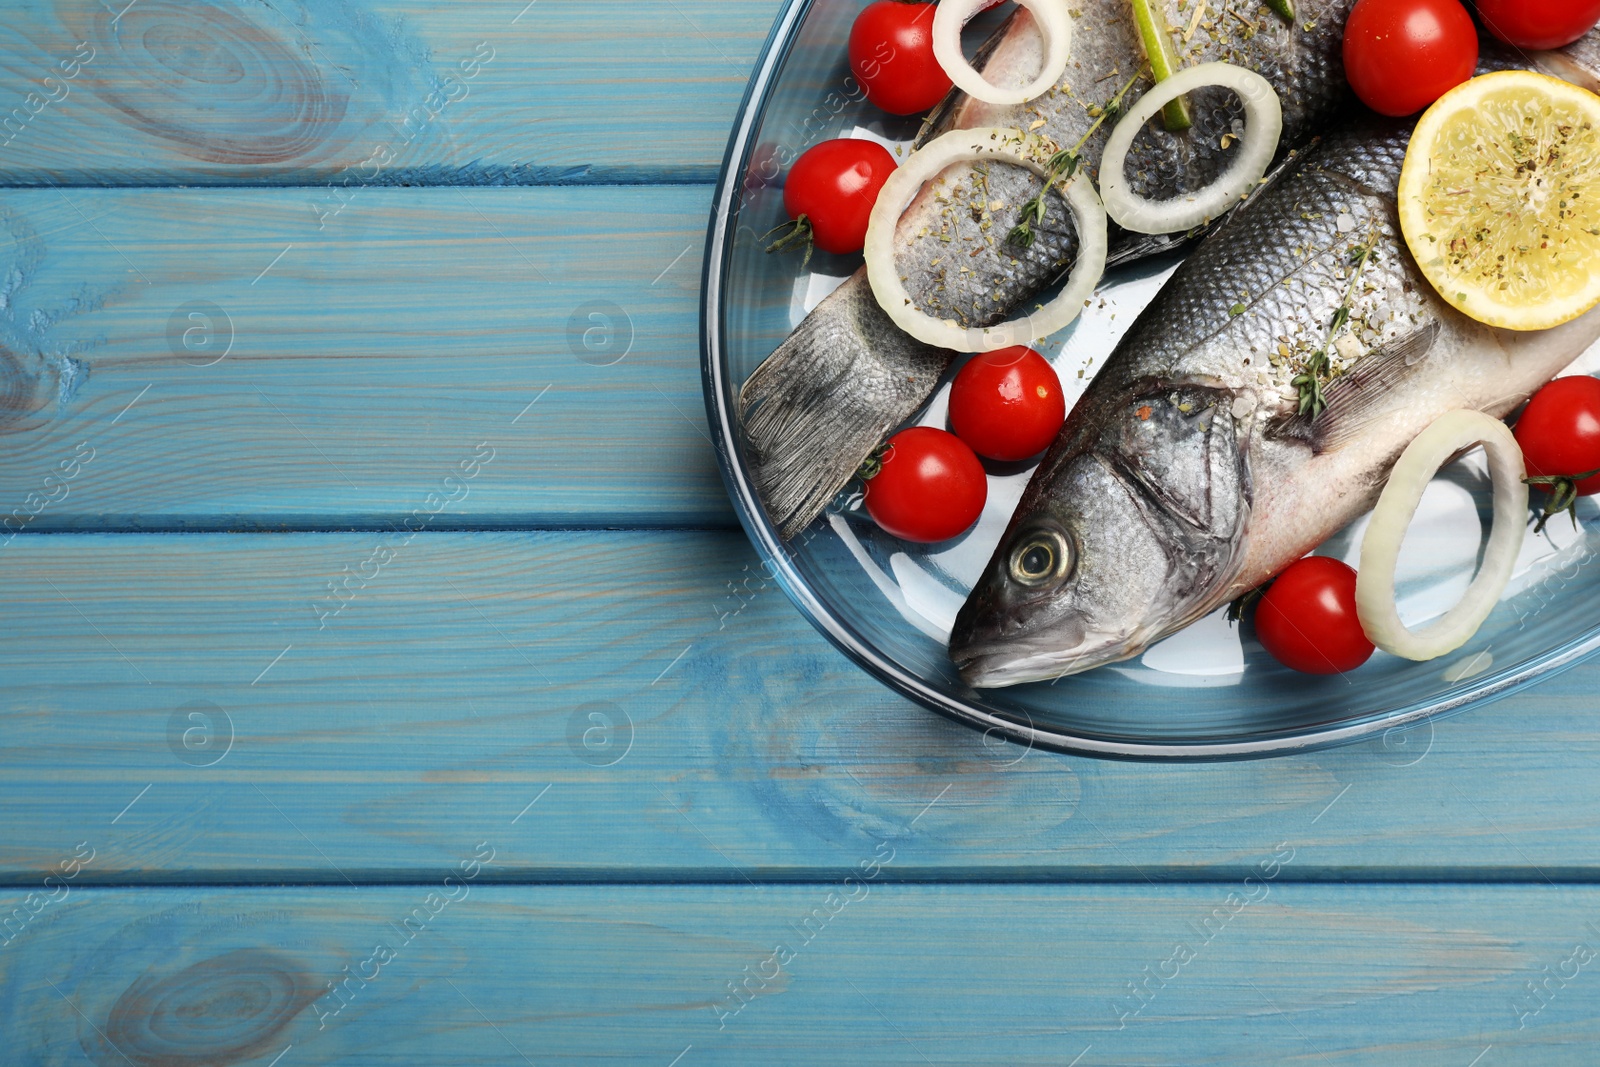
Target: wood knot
(212, 82)
(221, 1010)
(18, 390)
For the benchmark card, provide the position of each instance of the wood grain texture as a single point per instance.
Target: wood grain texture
(362, 359)
(188, 718)
(870, 973)
(639, 706)
(371, 91)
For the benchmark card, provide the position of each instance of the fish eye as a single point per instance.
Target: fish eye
(1040, 557)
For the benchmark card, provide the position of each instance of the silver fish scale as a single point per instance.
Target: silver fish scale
(1587, 50)
(953, 251)
(1248, 309)
(1162, 166)
(961, 266)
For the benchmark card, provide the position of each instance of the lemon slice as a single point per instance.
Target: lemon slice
(1500, 199)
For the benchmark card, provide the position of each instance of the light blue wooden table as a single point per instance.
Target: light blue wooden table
(387, 682)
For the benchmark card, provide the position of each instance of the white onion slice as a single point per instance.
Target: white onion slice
(1448, 435)
(1263, 118)
(1055, 26)
(957, 146)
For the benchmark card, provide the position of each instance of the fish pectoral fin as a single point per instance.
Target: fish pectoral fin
(1359, 397)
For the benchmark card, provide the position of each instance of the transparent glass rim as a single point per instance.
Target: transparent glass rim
(977, 714)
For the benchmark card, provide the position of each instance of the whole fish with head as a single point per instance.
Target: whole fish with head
(1190, 472)
(832, 391)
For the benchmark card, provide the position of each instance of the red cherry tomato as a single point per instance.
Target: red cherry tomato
(1307, 619)
(891, 54)
(1539, 23)
(1007, 404)
(1402, 55)
(1559, 431)
(833, 185)
(931, 487)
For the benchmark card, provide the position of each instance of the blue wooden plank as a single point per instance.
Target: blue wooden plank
(229, 362)
(206, 708)
(857, 972)
(355, 93)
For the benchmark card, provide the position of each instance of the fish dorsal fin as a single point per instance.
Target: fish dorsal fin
(1355, 399)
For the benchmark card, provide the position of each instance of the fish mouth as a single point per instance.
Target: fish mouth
(994, 666)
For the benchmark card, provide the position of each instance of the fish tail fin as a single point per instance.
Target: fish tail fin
(826, 397)
(806, 438)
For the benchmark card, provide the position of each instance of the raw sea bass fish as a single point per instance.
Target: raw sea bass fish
(833, 390)
(1186, 474)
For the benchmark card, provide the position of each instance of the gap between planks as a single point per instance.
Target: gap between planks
(609, 177)
(427, 877)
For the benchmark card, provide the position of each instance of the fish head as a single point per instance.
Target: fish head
(1125, 531)
(1073, 585)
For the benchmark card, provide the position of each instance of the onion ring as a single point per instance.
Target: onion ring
(1263, 126)
(1380, 548)
(1055, 26)
(957, 146)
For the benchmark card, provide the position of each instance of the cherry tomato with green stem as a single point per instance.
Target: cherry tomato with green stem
(829, 193)
(929, 486)
(891, 55)
(1559, 432)
(1402, 55)
(1307, 618)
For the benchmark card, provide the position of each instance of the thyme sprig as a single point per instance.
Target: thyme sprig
(1563, 495)
(1061, 167)
(1319, 367)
